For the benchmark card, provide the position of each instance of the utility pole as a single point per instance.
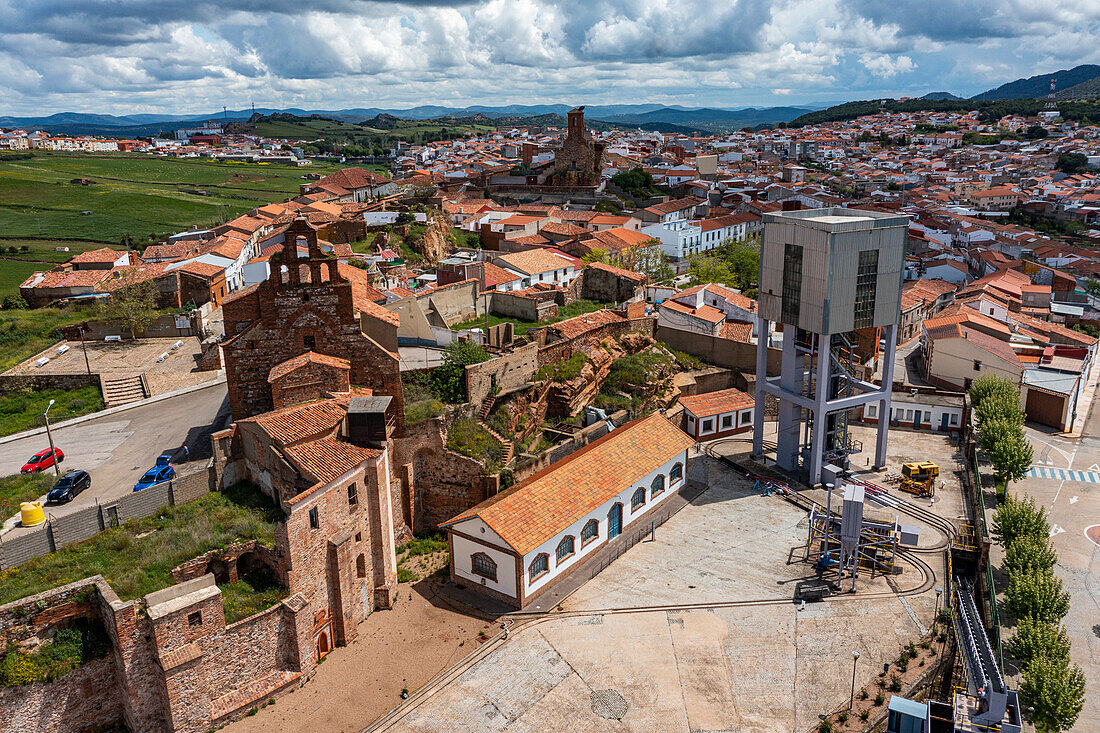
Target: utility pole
(49, 434)
(84, 347)
(852, 699)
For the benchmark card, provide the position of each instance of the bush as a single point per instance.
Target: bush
(1040, 596)
(863, 695)
(864, 714)
(449, 379)
(470, 439)
(14, 303)
(879, 699)
(895, 683)
(563, 371)
(69, 649)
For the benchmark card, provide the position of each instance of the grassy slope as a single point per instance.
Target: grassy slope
(135, 195)
(19, 411)
(25, 333)
(14, 490)
(575, 308)
(136, 566)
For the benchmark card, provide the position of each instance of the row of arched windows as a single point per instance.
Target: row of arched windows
(591, 530)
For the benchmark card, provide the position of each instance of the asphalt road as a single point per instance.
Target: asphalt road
(1073, 506)
(117, 449)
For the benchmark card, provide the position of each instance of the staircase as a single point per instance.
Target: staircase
(124, 390)
(508, 452)
(486, 407)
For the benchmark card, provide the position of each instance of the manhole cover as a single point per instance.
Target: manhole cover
(608, 704)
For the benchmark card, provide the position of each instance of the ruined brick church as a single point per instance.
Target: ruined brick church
(579, 162)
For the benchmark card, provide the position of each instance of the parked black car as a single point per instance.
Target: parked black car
(68, 486)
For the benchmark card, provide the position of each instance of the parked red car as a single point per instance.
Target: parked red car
(42, 460)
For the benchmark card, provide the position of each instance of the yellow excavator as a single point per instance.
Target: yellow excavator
(919, 478)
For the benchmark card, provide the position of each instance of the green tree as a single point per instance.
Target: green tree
(1039, 595)
(1071, 163)
(1029, 554)
(990, 384)
(637, 182)
(132, 305)
(449, 379)
(596, 255)
(1039, 639)
(1055, 688)
(1036, 132)
(1011, 457)
(14, 303)
(1015, 518)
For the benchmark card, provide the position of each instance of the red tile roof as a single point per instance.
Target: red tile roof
(539, 507)
(715, 403)
(286, 367)
(328, 459)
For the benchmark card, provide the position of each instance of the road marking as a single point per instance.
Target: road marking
(1061, 474)
(1056, 530)
(1094, 467)
(1073, 500)
(1093, 534)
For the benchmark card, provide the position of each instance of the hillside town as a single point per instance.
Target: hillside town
(649, 407)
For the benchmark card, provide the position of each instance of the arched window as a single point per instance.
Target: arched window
(361, 566)
(658, 486)
(590, 532)
(565, 548)
(483, 565)
(676, 474)
(539, 566)
(638, 500)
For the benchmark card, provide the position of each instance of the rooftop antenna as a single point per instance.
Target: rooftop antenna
(225, 113)
(253, 107)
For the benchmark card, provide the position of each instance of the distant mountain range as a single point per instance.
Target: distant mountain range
(941, 96)
(1039, 86)
(666, 118)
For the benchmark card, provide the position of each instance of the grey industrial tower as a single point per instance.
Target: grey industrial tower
(825, 274)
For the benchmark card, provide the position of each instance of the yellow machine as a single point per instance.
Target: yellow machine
(919, 478)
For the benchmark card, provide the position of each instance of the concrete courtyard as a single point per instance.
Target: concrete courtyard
(694, 631)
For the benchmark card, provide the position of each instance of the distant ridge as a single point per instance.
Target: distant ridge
(1039, 86)
(941, 96)
(667, 118)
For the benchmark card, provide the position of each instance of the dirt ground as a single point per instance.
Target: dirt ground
(115, 359)
(404, 647)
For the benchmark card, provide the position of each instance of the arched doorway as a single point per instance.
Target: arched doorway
(615, 522)
(322, 645)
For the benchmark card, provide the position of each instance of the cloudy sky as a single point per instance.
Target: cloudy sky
(194, 56)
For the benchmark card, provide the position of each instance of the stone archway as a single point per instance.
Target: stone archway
(323, 646)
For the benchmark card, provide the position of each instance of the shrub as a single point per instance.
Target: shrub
(842, 716)
(863, 695)
(825, 727)
(895, 683)
(14, 302)
(864, 714)
(879, 699)
(69, 649)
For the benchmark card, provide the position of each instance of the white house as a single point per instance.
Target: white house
(535, 266)
(516, 545)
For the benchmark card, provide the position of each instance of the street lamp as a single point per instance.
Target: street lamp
(852, 698)
(936, 615)
(49, 434)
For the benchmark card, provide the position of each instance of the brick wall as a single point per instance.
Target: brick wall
(716, 350)
(444, 483)
(86, 699)
(507, 371)
(524, 307)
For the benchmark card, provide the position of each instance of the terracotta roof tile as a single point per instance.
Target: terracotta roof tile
(327, 459)
(537, 508)
(286, 367)
(714, 403)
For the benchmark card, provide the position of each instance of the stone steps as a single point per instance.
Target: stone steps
(509, 450)
(123, 391)
(487, 407)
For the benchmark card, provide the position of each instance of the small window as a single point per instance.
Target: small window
(638, 500)
(746, 417)
(676, 474)
(194, 619)
(483, 565)
(565, 548)
(314, 519)
(872, 411)
(727, 421)
(590, 532)
(309, 341)
(361, 566)
(657, 487)
(708, 425)
(539, 566)
(358, 536)
(954, 419)
(353, 497)
(977, 365)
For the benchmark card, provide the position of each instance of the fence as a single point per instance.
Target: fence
(971, 448)
(59, 532)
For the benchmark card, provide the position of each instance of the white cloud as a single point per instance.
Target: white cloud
(884, 66)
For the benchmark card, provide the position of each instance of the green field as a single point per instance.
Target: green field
(362, 135)
(141, 196)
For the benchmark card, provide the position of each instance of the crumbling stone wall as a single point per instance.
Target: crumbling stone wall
(443, 483)
(506, 373)
(86, 699)
(524, 306)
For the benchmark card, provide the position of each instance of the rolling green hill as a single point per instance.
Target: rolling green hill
(988, 111)
(1039, 85)
(1085, 90)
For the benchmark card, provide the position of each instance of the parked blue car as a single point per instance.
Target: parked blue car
(157, 474)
